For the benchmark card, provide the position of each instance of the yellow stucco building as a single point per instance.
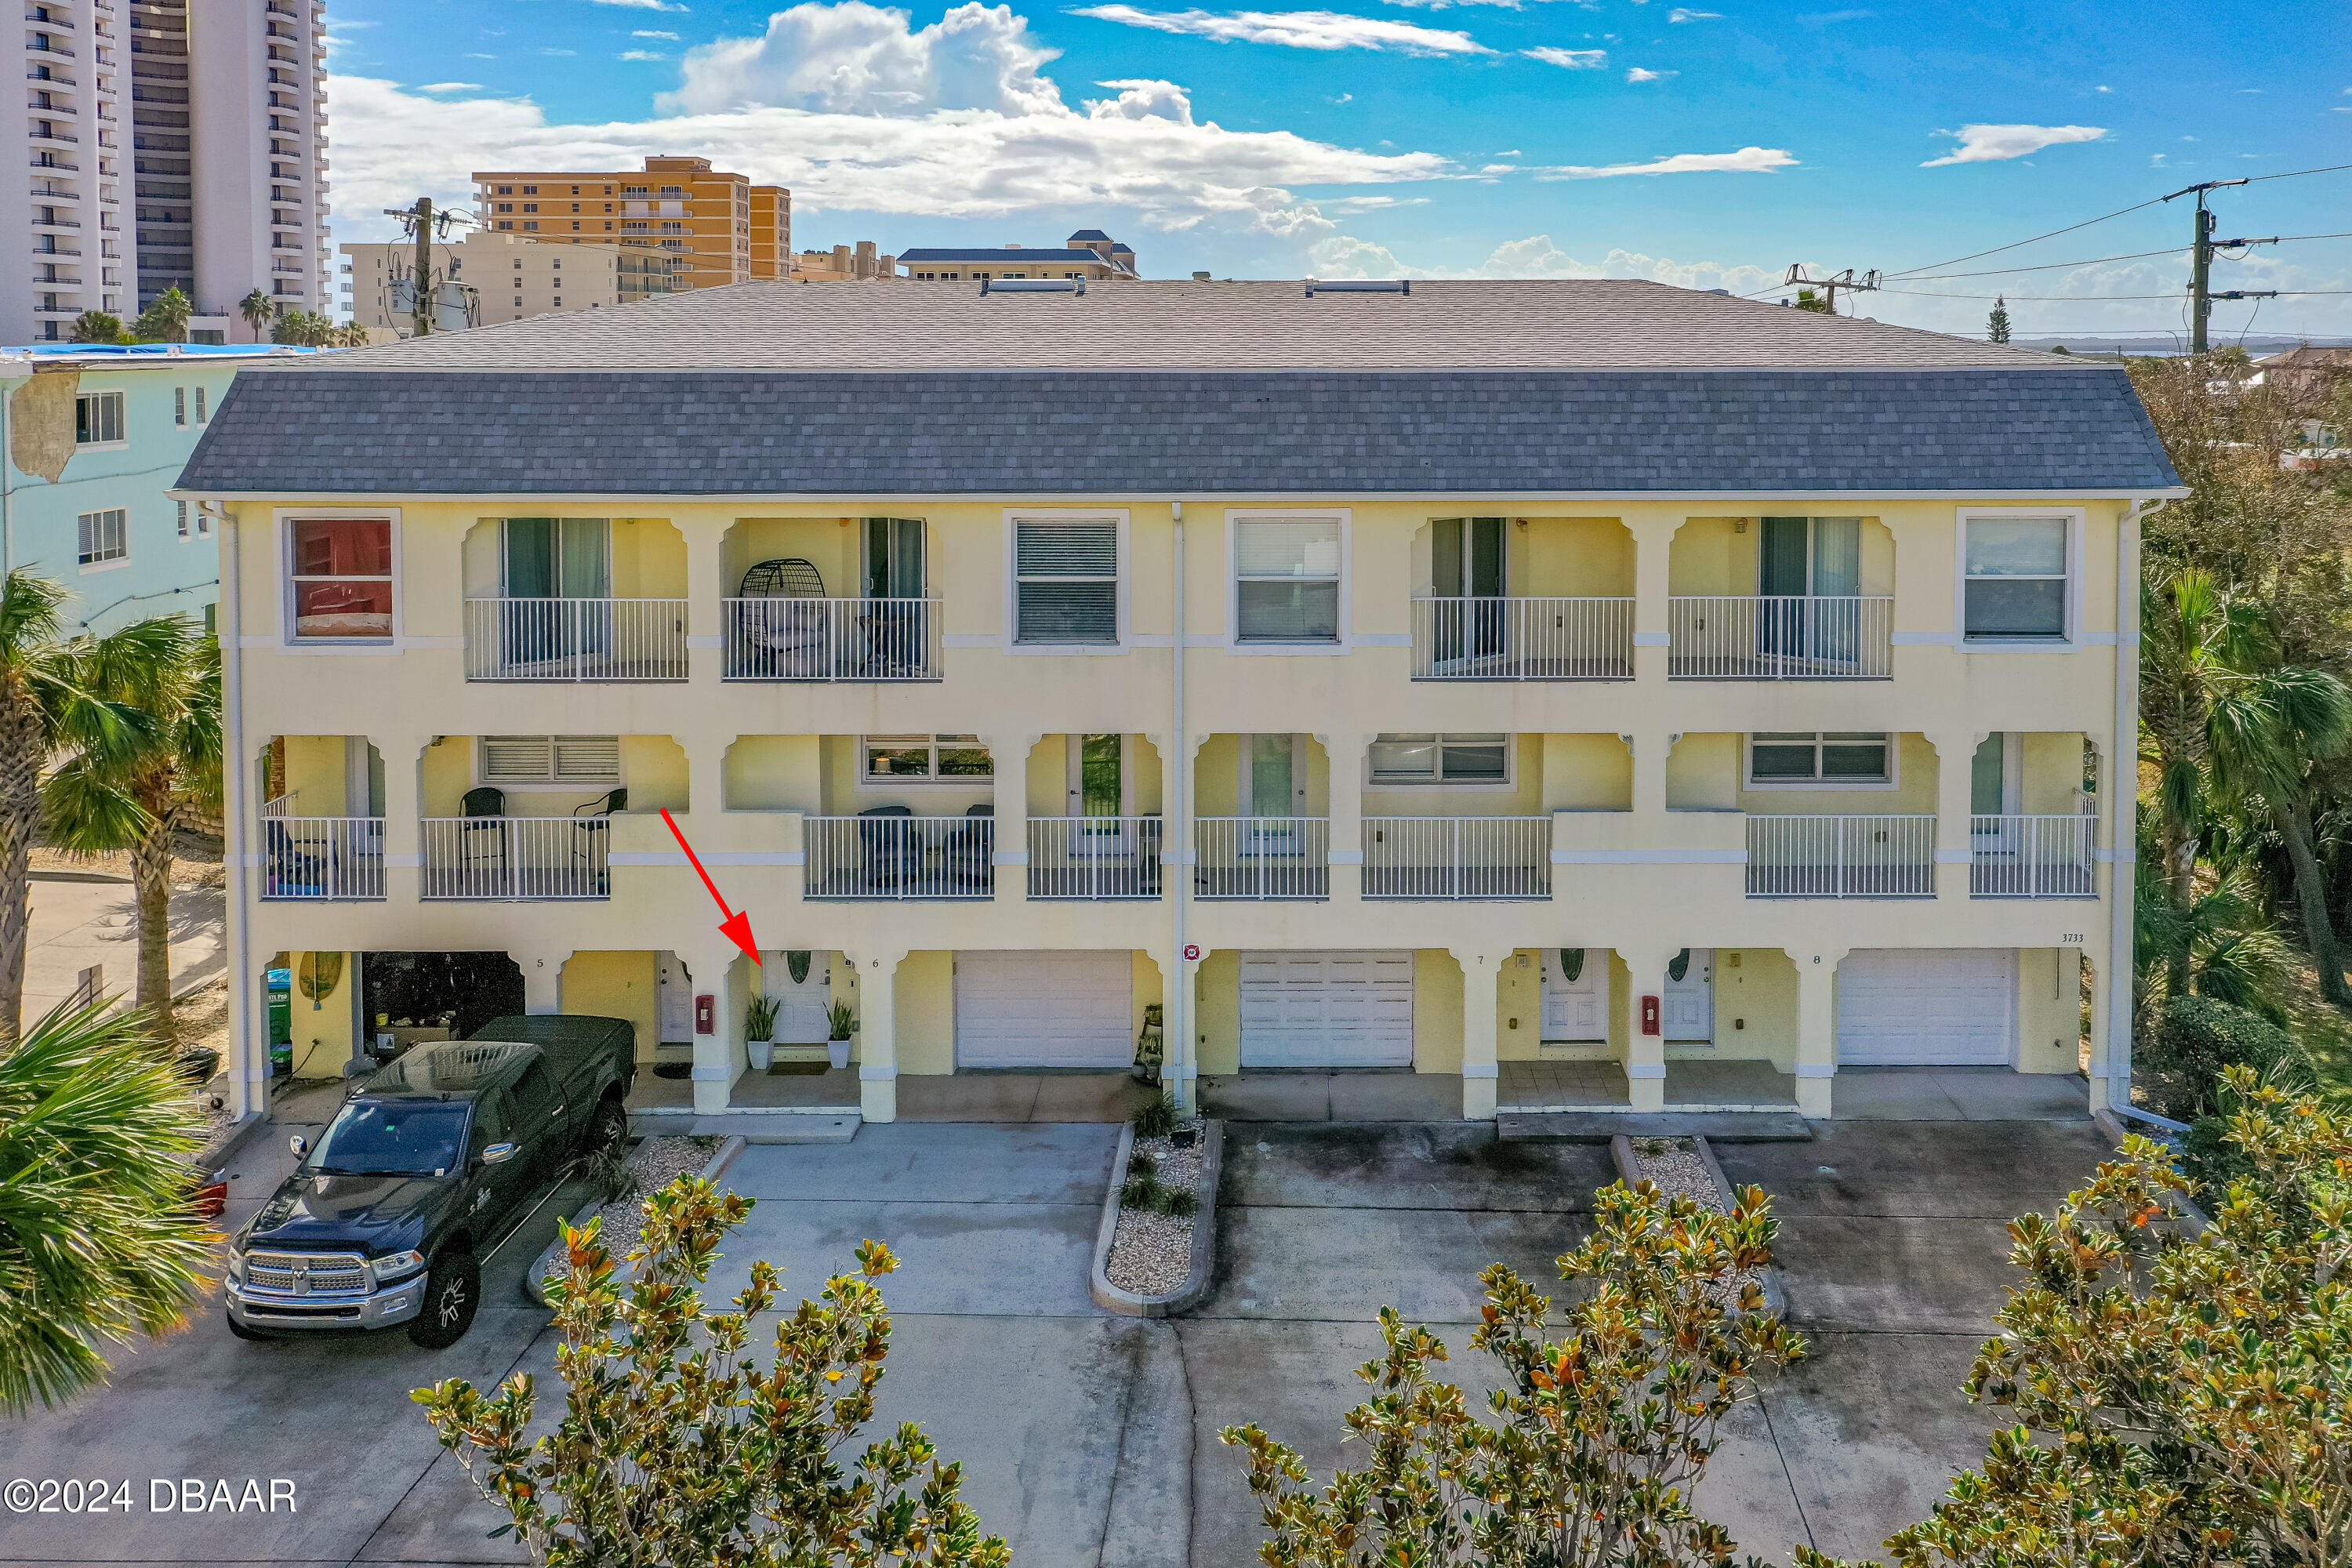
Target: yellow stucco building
(1597, 694)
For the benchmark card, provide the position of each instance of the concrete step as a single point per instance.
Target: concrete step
(1600, 1127)
(752, 1126)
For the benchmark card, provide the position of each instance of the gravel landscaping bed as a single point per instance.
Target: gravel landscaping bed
(1151, 1253)
(658, 1162)
(1677, 1169)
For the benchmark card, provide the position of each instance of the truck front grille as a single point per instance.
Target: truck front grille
(305, 1273)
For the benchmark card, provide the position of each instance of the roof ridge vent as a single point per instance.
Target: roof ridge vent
(1362, 286)
(1032, 286)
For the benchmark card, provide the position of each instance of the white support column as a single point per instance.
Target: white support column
(542, 980)
(2119, 785)
(1654, 536)
(1011, 757)
(1816, 1028)
(1646, 1055)
(706, 587)
(404, 817)
(878, 1032)
(723, 974)
(1956, 753)
(1344, 753)
(1479, 1071)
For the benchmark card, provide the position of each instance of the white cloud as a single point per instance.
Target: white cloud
(1992, 143)
(1640, 74)
(857, 59)
(1143, 99)
(1571, 59)
(640, 55)
(2103, 89)
(641, 4)
(1746, 161)
(1681, 14)
(559, 53)
(1295, 29)
(1508, 152)
(451, 87)
(1830, 18)
(1344, 256)
(2156, 161)
(654, 33)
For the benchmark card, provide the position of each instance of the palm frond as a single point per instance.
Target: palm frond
(88, 811)
(28, 615)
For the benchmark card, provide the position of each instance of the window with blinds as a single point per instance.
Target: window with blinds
(1287, 579)
(551, 759)
(1066, 580)
(103, 536)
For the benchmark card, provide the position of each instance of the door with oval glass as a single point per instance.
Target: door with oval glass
(1689, 1000)
(1575, 994)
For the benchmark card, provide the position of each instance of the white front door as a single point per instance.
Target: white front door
(800, 1006)
(1326, 1009)
(1927, 1008)
(1058, 1008)
(676, 991)
(1689, 1002)
(1575, 1009)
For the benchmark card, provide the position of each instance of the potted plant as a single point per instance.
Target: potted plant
(760, 1032)
(840, 1022)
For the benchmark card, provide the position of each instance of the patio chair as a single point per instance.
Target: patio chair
(789, 638)
(966, 856)
(887, 842)
(295, 871)
(473, 847)
(591, 846)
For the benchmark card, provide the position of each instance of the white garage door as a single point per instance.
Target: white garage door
(1326, 1009)
(1926, 1006)
(1062, 1009)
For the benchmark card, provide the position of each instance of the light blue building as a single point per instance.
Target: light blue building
(94, 435)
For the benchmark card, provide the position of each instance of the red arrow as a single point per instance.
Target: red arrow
(737, 927)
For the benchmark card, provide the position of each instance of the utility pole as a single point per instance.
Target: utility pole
(1867, 283)
(418, 222)
(2201, 264)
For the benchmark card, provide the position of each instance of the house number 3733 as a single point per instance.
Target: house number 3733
(2074, 936)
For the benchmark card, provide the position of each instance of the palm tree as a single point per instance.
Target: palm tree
(178, 688)
(56, 699)
(97, 327)
(98, 1239)
(165, 320)
(258, 311)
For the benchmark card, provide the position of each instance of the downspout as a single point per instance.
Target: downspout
(1178, 1064)
(2123, 777)
(234, 780)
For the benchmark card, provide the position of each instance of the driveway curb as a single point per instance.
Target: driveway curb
(1110, 1297)
(1621, 1149)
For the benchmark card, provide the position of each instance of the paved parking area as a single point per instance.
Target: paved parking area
(1088, 1438)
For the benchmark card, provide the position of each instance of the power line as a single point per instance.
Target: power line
(2097, 260)
(2293, 174)
(2102, 299)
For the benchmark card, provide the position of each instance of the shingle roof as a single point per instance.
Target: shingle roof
(1009, 255)
(2014, 427)
(1525, 324)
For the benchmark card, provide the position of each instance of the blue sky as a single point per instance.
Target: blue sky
(1709, 145)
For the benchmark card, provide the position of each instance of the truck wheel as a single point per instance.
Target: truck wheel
(240, 1330)
(452, 1292)
(608, 1129)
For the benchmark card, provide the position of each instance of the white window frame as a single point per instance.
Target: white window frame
(180, 518)
(866, 782)
(1894, 780)
(284, 518)
(1013, 516)
(180, 406)
(122, 422)
(2074, 639)
(1235, 518)
(551, 782)
(103, 562)
(203, 415)
(1508, 782)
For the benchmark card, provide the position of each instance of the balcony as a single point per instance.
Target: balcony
(1457, 857)
(1261, 857)
(1780, 637)
(575, 640)
(536, 858)
(1522, 640)
(1840, 857)
(891, 853)
(320, 859)
(2033, 857)
(1094, 857)
(833, 639)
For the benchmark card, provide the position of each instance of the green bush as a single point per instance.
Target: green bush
(1142, 1164)
(1179, 1203)
(1156, 1119)
(1140, 1194)
(2196, 1039)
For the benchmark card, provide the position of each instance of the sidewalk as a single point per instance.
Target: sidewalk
(77, 924)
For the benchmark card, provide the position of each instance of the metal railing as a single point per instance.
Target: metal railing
(1783, 637)
(1094, 857)
(1457, 856)
(279, 804)
(528, 858)
(575, 640)
(2042, 856)
(1842, 856)
(320, 856)
(1523, 639)
(878, 857)
(833, 639)
(1262, 856)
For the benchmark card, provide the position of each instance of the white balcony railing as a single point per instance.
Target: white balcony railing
(1782, 637)
(1840, 857)
(320, 856)
(575, 640)
(1457, 856)
(1523, 639)
(1094, 857)
(833, 639)
(881, 855)
(2032, 856)
(1261, 857)
(525, 857)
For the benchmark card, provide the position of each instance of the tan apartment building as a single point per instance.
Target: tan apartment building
(716, 224)
(1090, 254)
(844, 264)
(501, 278)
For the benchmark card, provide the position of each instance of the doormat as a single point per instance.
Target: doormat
(798, 1070)
(673, 1070)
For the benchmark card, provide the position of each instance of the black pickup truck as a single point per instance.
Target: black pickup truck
(429, 1164)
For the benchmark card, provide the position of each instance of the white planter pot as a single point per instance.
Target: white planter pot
(761, 1052)
(839, 1051)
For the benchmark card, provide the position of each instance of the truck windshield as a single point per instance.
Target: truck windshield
(391, 1138)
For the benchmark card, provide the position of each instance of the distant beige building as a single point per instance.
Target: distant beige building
(488, 278)
(1090, 254)
(722, 226)
(843, 264)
